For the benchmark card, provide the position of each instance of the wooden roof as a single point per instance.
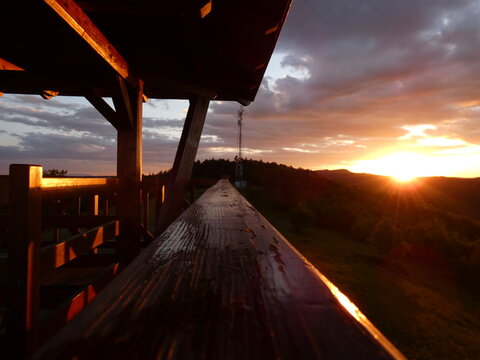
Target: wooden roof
(181, 48)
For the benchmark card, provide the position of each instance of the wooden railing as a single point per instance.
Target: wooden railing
(38, 208)
(220, 283)
(61, 248)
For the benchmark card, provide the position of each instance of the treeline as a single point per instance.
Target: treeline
(400, 221)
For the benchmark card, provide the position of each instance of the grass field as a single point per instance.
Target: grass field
(423, 311)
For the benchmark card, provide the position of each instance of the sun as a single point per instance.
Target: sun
(403, 167)
(404, 178)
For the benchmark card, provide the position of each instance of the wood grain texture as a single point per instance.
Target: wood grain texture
(129, 167)
(219, 283)
(24, 222)
(71, 307)
(74, 16)
(57, 255)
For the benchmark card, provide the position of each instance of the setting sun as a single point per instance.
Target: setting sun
(403, 167)
(402, 178)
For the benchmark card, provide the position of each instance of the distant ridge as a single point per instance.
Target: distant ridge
(465, 191)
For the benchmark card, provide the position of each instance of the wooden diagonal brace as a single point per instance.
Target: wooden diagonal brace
(179, 178)
(103, 108)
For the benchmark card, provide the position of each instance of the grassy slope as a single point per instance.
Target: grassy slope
(424, 313)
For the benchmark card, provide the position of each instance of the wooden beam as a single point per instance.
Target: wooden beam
(58, 188)
(182, 167)
(103, 108)
(24, 218)
(48, 94)
(76, 18)
(7, 65)
(57, 255)
(129, 167)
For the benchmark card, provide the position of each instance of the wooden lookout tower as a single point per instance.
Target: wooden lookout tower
(215, 281)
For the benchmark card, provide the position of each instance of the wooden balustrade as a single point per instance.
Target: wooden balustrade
(220, 283)
(28, 262)
(87, 208)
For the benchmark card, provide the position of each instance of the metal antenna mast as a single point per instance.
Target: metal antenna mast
(239, 160)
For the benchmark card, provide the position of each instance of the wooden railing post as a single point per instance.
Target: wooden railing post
(93, 205)
(24, 218)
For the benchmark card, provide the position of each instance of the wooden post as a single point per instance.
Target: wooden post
(93, 204)
(24, 218)
(129, 167)
(182, 167)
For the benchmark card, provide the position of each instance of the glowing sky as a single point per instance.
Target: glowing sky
(352, 84)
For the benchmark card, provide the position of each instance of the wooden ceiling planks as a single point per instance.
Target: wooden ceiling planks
(176, 52)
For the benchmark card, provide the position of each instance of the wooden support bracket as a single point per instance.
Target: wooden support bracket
(103, 108)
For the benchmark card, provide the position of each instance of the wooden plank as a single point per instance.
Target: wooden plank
(70, 308)
(74, 16)
(72, 221)
(57, 255)
(61, 183)
(58, 188)
(103, 108)
(182, 167)
(129, 167)
(221, 283)
(24, 218)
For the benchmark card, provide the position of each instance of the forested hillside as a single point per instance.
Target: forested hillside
(422, 219)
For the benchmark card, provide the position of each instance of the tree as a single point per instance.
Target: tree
(54, 173)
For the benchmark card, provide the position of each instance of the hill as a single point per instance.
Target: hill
(461, 194)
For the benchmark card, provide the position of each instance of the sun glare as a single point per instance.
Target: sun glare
(403, 178)
(403, 167)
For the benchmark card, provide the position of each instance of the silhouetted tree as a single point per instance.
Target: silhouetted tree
(54, 173)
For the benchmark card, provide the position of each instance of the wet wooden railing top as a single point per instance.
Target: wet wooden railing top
(220, 283)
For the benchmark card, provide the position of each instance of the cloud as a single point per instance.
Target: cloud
(349, 80)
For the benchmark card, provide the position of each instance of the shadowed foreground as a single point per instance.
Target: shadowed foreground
(220, 283)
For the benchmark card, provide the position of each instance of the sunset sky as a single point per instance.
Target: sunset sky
(369, 86)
